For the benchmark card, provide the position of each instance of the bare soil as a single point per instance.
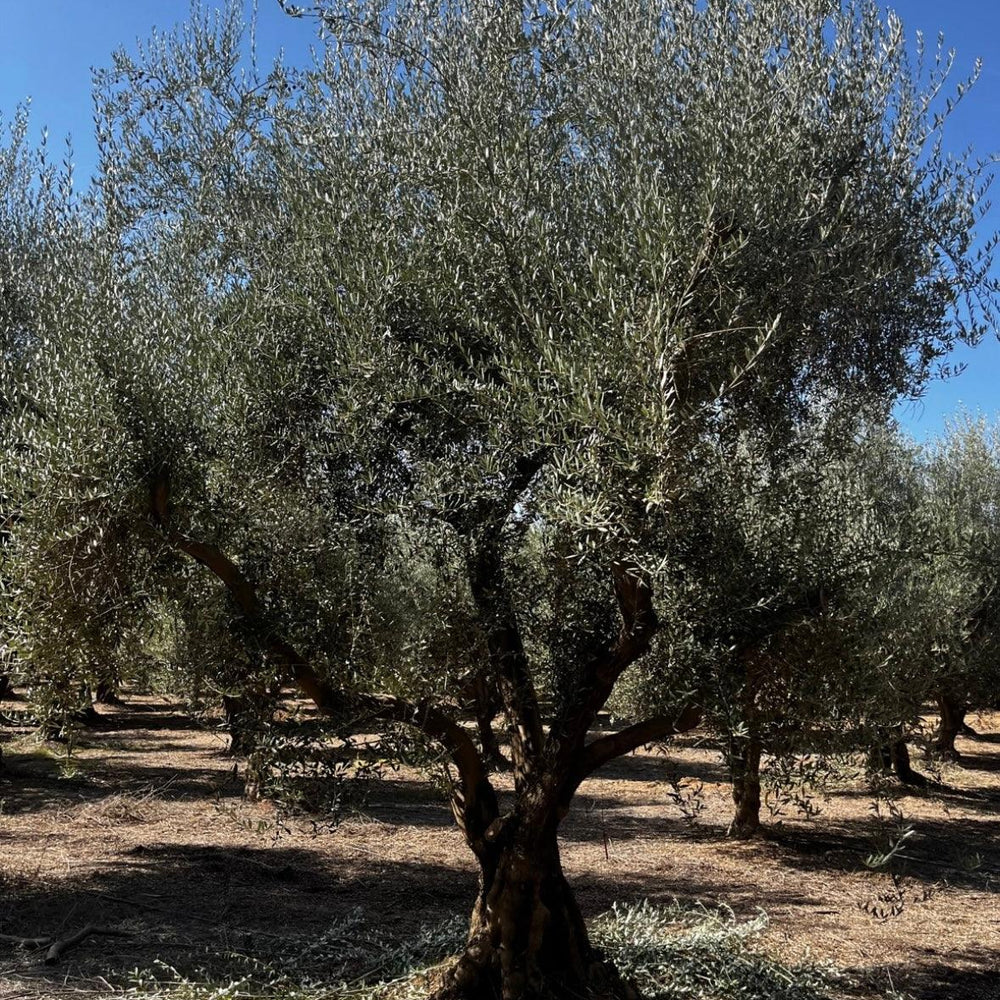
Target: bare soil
(145, 829)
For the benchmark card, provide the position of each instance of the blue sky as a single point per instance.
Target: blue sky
(47, 51)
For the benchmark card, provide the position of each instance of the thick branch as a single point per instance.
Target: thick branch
(507, 655)
(606, 748)
(474, 801)
(487, 526)
(639, 624)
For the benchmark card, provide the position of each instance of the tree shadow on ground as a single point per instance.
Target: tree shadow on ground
(984, 801)
(187, 905)
(213, 913)
(661, 768)
(592, 816)
(982, 737)
(128, 718)
(35, 782)
(970, 975)
(192, 906)
(962, 853)
(988, 762)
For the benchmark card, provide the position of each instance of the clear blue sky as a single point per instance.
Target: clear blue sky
(47, 50)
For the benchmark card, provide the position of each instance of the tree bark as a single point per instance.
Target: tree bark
(952, 723)
(745, 765)
(487, 738)
(527, 937)
(508, 660)
(482, 695)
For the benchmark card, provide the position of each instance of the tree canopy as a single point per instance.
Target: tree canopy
(430, 352)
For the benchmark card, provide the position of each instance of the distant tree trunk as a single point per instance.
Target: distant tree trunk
(745, 765)
(952, 723)
(248, 714)
(893, 757)
(237, 713)
(87, 715)
(880, 759)
(106, 693)
(6, 688)
(745, 750)
(899, 755)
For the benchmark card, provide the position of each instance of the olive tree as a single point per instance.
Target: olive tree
(783, 604)
(596, 241)
(477, 289)
(40, 249)
(961, 474)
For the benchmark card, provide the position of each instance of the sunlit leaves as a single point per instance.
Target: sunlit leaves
(346, 307)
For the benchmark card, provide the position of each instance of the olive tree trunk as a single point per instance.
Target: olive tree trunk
(106, 693)
(527, 937)
(952, 723)
(899, 755)
(893, 757)
(745, 766)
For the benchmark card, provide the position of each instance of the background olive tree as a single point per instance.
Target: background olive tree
(418, 352)
(961, 479)
(784, 604)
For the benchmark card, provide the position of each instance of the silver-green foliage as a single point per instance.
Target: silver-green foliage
(961, 545)
(783, 608)
(342, 307)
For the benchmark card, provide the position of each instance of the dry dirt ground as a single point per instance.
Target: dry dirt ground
(145, 828)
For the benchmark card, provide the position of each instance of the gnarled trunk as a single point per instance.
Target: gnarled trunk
(952, 723)
(745, 765)
(527, 937)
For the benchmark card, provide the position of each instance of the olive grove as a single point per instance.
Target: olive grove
(522, 344)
